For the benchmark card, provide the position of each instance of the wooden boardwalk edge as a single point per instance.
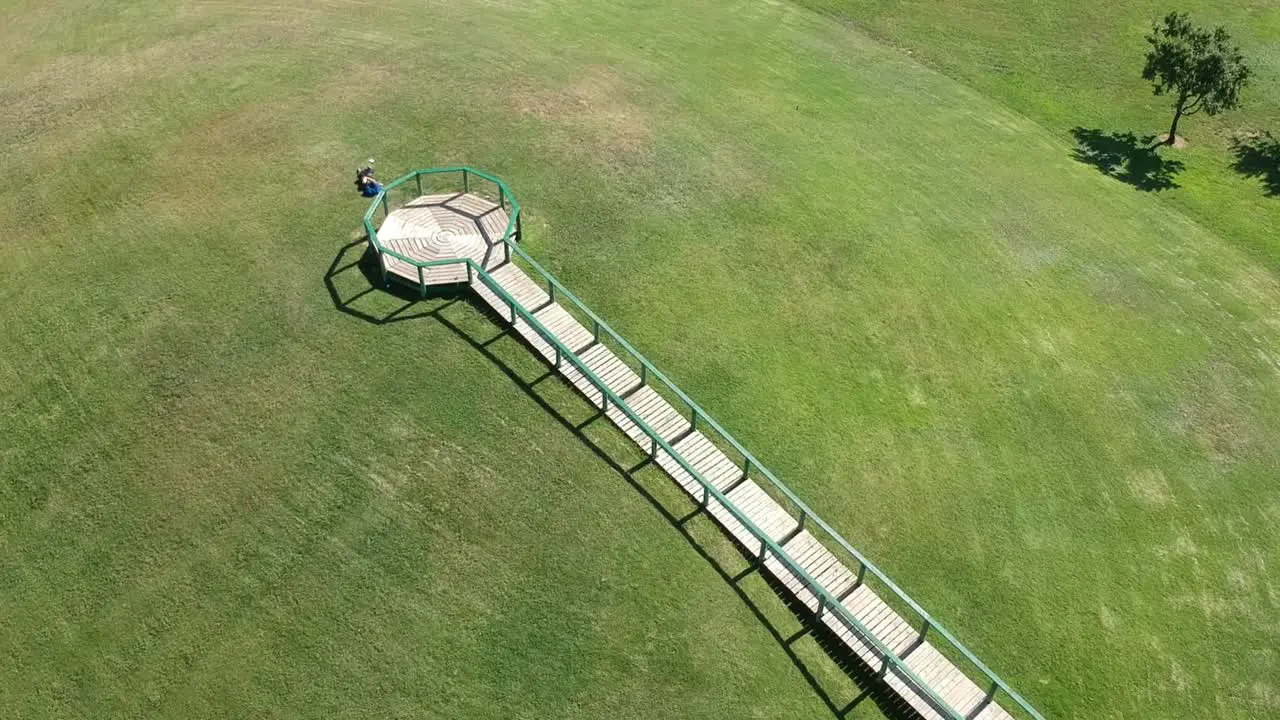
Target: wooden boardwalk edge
(889, 628)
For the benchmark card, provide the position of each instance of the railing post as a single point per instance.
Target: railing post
(551, 290)
(595, 333)
(418, 178)
(385, 210)
(693, 418)
(644, 374)
(469, 276)
(506, 252)
(653, 446)
(466, 181)
(746, 466)
(519, 236)
(988, 698)
(422, 283)
(924, 629)
(764, 548)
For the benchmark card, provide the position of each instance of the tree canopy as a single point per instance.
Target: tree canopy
(1199, 67)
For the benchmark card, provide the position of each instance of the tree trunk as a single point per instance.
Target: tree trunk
(1177, 115)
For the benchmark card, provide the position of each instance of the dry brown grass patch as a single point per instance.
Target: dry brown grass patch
(594, 112)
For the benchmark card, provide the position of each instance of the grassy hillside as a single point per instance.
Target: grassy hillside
(1045, 402)
(1078, 65)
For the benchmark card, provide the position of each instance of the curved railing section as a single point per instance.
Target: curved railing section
(650, 376)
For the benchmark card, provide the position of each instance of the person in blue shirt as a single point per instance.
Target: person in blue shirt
(366, 183)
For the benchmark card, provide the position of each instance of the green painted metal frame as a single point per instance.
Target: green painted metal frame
(826, 601)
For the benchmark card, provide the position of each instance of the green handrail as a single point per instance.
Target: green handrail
(767, 544)
(805, 510)
(826, 599)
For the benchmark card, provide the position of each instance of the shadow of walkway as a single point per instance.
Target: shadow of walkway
(1127, 158)
(681, 513)
(1259, 157)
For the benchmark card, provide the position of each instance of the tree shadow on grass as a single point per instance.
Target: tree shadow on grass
(681, 514)
(1259, 157)
(1127, 158)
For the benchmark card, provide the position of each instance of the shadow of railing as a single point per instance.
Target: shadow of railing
(869, 686)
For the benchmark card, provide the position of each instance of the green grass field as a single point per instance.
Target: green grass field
(1078, 64)
(1046, 402)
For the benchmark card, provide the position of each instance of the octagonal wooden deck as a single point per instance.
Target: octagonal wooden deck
(443, 226)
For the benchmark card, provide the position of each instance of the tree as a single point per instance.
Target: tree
(1199, 67)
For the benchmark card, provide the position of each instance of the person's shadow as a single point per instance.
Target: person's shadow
(1259, 157)
(1127, 158)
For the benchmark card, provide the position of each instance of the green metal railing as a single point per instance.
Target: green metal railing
(698, 418)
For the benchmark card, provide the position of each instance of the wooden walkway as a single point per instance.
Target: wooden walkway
(887, 625)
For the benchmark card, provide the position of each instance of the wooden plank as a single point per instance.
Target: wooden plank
(736, 530)
(444, 274)
(473, 205)
(658, 413)
(581, 382)
(885, 621)
(852, 639)
(490, 298)
(767, 515)
(835, 576)
(912, 698)
(392, 227)
(494, 224)
(664, 419)
(421, 221)
(433, 199)
(697, 450)
(606, 366)
(792, 582)
(993, 712)
(899, 639)
(611, 369)
(565, 326)
(861, 600)
(629, 428)
(724, 476)
(721, 472)
(947, 681)
(520, 286)
(929, 665)
(699, 455)
(753, 502)
(959, 691)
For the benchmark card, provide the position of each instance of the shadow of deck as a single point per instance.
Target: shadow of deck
(682, 517)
